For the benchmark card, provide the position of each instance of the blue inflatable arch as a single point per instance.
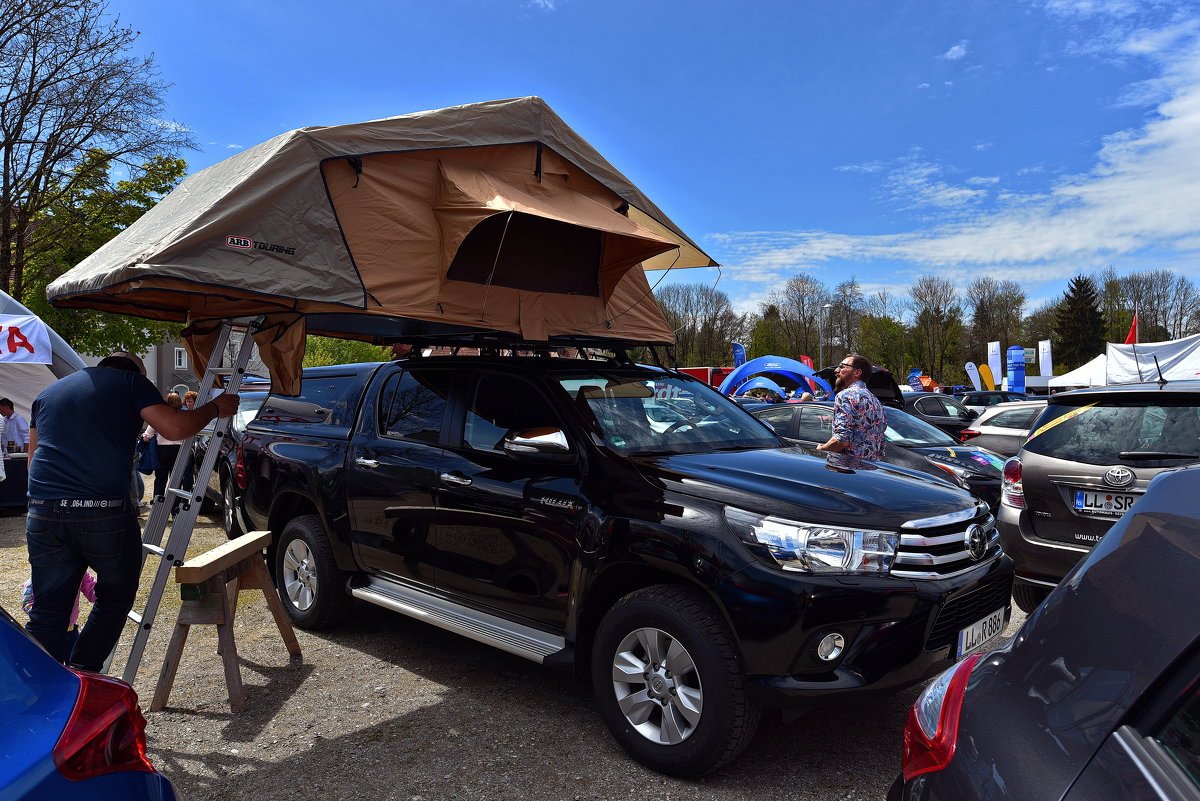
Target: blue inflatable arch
(761, 382)
(797, 372)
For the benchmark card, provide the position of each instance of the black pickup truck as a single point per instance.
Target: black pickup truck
(628, 523)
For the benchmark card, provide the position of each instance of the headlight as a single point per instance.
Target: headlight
(814, 548)
(959, 474)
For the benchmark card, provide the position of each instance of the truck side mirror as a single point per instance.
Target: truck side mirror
(541, 444)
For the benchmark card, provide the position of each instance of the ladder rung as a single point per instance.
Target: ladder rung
(154, 549)
(179, 493)
(136, 617)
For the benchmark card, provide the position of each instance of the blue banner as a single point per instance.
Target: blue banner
(739, 354)
(1016, 369)
(914, 379)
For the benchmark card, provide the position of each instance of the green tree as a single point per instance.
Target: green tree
(68, 88)
(90, 210)
(1078, 324)
(320, 351)
(767, 337)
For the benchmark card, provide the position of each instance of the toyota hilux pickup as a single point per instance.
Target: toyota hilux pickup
(625, 522)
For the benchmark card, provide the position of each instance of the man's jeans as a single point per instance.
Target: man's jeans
(63, 542)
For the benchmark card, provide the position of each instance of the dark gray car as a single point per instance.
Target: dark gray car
(1090, 455)
(944, 411)
(1097, 697)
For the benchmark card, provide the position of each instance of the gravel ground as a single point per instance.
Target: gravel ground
(386, 707)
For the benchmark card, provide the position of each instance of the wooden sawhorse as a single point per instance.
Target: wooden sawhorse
(211, 584)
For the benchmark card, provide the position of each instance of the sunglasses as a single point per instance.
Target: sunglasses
(847, 366)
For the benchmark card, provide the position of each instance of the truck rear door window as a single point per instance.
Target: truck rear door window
(412, 404)
(500, 403)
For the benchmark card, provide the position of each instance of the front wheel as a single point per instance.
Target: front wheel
(229, 515)
(311, 585)
(669, 683)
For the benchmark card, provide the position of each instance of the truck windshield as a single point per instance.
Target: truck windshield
(662, 414)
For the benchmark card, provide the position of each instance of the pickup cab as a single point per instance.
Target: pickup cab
(625, 522)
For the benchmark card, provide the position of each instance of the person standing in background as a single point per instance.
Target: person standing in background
(189, 400)
(16, 429)
(168, 451)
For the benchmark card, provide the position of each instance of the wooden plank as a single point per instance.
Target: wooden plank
(261, 579)
(228, 648)
(166, 677)
(207, 565)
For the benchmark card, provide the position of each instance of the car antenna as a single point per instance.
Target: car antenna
(1162, 382)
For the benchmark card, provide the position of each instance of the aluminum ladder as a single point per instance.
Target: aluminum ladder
(174, 552)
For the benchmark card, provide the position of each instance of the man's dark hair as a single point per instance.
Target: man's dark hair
(5, 402)
(861, 363)
(117, 363)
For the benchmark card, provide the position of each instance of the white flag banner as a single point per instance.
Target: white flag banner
(1045, 365)
(24, 339)
(995, 363)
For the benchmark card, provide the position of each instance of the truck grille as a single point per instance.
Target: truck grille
(943, 552)
(965, 609)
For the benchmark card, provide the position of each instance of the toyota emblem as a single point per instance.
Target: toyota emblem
(1118, 477)
(976, 541)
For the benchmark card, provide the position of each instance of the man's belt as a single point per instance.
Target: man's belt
(79, 503)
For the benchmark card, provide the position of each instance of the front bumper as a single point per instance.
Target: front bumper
(898, 632)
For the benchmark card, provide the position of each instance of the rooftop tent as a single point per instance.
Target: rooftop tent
(493, 217)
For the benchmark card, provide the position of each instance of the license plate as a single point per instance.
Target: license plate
(980, 632)
(1103, 503)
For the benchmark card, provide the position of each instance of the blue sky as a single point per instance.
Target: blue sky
(1028, 140)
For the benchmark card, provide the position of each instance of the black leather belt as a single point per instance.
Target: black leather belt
(80, 503)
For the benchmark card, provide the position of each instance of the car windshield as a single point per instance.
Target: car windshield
(640, 415)
(905, 430)
(1110, 430)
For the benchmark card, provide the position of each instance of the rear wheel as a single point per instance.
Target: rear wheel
(311, 586)
(669, 683)
(1029, 597)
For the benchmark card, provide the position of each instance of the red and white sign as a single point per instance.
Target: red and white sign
(24, 339)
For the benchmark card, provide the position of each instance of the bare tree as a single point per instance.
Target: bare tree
(801, 314)
(704, 322)
(67, 88)
(937, 328)
(995, 309)
(843, 317)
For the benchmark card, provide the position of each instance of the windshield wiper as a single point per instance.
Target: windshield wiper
(1145, 456)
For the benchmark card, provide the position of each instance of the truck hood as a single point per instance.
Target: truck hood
(790, 483)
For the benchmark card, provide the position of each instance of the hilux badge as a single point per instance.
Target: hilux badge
(1118, 477)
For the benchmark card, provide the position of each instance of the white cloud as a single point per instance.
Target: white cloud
(542, 5)
(1139, 197)
(956, 52)
(233, 147)
(169, 125)
(923, 86)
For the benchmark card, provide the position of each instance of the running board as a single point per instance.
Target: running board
(506, 635)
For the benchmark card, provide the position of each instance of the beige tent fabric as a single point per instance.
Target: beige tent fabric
(494, 217)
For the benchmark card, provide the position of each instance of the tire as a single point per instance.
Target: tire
(686, 714)
(311, 586)
(1029, 597)
(229, 517)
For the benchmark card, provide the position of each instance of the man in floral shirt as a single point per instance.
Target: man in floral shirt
(858, 417)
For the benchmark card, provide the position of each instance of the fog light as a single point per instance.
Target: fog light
(831, 646)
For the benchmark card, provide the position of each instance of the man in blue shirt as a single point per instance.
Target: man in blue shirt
(83, 431)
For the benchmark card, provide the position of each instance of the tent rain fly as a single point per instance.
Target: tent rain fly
(487, 218)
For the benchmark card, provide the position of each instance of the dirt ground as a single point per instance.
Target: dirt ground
(387, 707)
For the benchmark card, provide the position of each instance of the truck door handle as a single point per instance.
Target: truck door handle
(361, 462)
(455, 478)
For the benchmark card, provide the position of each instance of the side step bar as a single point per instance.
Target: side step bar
(506, 635)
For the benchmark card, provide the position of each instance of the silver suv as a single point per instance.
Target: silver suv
(1090, 455)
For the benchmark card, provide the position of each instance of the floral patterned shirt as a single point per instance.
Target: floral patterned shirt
(858, 419)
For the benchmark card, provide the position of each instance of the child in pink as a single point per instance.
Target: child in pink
(87, 587)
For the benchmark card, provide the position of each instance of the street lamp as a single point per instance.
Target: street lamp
(821, 335)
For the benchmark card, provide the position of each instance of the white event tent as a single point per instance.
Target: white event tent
(1178, 359)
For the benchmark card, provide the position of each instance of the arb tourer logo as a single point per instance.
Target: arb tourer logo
(246, 243)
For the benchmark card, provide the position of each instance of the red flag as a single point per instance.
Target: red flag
(1131, 337)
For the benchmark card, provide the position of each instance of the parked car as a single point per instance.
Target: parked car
(1097, 697)
(227, 480)
(1091, 454)
(978, 400)
(698, 571)
(1003, 428)
(936, 408)
(909, 441)
(67, 733)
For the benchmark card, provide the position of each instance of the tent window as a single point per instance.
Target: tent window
(536, 254)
